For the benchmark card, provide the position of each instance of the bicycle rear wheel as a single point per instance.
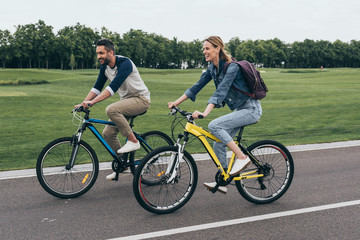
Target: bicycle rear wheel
(167, 188)
(55, 175)
(152, 140)
(278, 170)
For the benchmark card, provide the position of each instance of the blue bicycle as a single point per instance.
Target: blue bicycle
(68, 167)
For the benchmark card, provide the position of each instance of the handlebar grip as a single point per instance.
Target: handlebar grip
(78, 109)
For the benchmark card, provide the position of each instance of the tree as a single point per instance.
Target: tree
(5, 46)
(324, 54)
(84, 49)
(297, 55)
(25, 42)
(274, 56)
(72, 63)
(246, 51)
(340, 54)
(134, 42)
(195, 56)
(37, 46)
(64, 44)
(281, 53)
(354, 49)
(155, 51)
(45, 42)
(232, 45)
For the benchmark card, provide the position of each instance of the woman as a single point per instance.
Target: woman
(246, 110)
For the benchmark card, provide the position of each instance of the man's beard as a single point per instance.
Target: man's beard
(106, 61)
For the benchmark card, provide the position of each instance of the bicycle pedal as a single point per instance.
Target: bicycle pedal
(116, 177)
(213, 190)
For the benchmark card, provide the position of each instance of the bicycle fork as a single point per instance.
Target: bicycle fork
(75, 143)
(175, 159)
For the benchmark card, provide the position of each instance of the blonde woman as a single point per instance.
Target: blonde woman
(245, 110)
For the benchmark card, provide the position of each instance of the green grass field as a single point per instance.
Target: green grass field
(303, 106)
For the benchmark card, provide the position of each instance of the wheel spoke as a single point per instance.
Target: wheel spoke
(278, 173)
(165, 196)
(63, 183)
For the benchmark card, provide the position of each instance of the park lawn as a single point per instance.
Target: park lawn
(303, 106)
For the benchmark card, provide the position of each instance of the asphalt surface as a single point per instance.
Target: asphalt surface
(109, 210)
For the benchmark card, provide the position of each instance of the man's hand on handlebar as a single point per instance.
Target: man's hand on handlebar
(84, 104)
(87, 104)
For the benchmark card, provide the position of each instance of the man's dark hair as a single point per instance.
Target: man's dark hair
(108, 44)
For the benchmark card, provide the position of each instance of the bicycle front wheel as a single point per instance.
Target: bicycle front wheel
(277, 167)
(150, 141)
(55, 174)
(170, 181)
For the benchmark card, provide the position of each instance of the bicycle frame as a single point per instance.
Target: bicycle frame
(202, 134)
(88, 123)
(167, 177)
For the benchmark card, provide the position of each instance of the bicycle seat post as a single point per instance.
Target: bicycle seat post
(239, 137)
(133, 117)
(132, 121)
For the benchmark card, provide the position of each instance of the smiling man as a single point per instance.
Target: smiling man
(134, 96)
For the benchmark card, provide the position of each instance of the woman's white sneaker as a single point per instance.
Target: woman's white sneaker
(239, 165)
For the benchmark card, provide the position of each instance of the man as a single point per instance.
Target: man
(134, 96)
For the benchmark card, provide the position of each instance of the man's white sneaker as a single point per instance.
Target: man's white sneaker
(222, 189)
(129, 147)
(239, 165)
(111, 176)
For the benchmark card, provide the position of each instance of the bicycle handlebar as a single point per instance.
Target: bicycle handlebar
(184, 113)
(82, 109)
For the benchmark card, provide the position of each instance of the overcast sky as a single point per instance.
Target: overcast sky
(288, 20)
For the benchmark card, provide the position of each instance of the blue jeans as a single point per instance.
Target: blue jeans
(226, 127)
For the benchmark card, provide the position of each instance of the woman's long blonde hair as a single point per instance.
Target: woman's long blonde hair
(216, 41)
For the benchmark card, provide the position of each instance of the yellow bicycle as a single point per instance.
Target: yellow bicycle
(167, 177)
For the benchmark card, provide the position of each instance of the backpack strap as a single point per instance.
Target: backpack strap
(233, 60)
(246, 93)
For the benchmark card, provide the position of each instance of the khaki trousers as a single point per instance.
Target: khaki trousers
(120, 113)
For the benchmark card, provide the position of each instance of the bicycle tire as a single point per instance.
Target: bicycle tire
(162, 197)
(154, 139)
(279, 162)
(56, 179)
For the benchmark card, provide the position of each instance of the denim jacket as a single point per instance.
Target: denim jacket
(224, 93)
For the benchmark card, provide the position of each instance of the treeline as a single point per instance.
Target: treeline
(37, 46)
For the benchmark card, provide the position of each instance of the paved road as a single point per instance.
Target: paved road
(324, 179)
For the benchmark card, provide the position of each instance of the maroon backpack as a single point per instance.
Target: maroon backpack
(252, 77)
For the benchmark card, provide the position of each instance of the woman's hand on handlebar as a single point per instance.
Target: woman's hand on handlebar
(198, 114)
(171, 105)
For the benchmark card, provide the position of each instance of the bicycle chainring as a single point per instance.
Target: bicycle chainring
(116, 167)
(220, 180)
